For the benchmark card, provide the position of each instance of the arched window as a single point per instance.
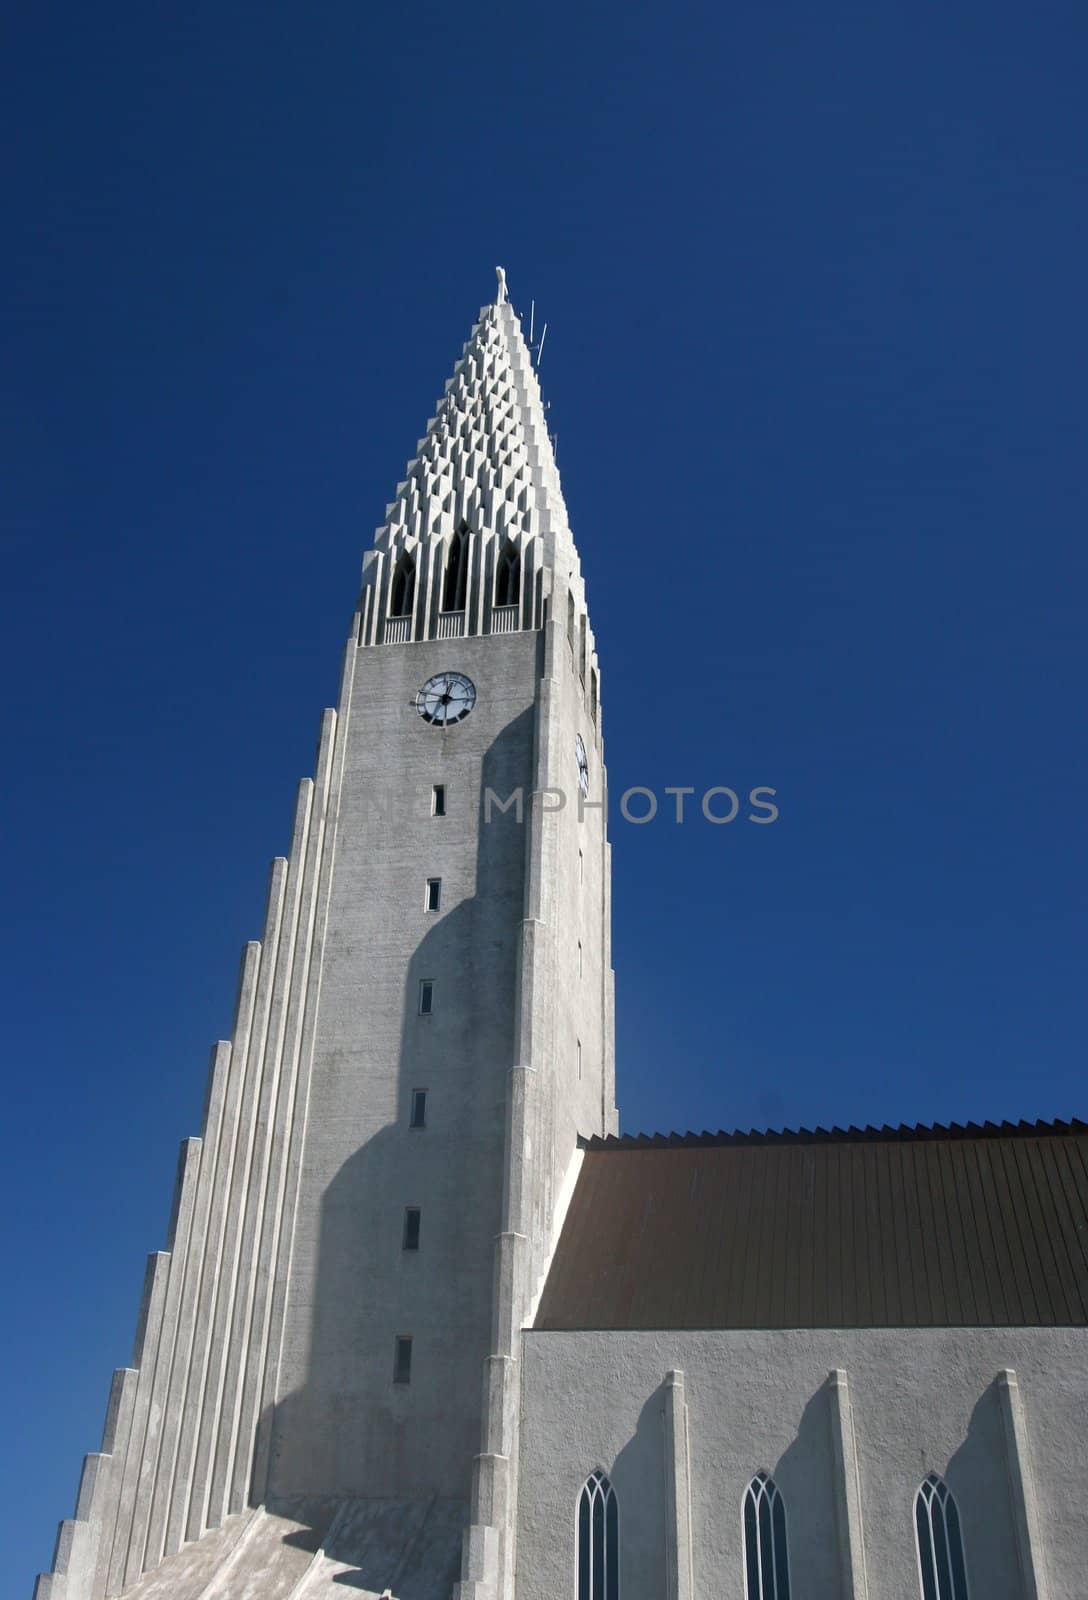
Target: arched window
(404, 587)
(940, 1543)
(456, 585)
(598, 1540)
(508, 577)
(766, 1561)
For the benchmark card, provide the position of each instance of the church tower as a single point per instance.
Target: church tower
(421, 1037)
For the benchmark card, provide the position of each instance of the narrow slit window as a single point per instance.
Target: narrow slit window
(412, 1215)
(438, 800)
(402, 1359)
(579, 958)
(434, 894)
(593, 695)
(579, 1054)
(570, 622)
(581, 867)
(418, 1116)
(582, 647)
(426, 996)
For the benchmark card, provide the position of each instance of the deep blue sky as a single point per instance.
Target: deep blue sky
(814, 279)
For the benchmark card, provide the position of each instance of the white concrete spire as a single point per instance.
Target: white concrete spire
(484, 470)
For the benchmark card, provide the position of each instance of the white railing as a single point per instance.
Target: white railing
(504, 619)
(398, 630)
(451, 624)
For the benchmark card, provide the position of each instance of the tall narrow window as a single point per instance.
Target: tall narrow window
(438, 800)
(598, 1540)
(570, 621)
(579, 958)
(508, 577)
(404, 587)
(418, 1115)
(412, 1215)
(578, 1053)
(426, 996)
(402, 1359)
(582, 647)
(593, 694)
(940, 1543)
(455, 587)
(766, 1562)
(433, 896)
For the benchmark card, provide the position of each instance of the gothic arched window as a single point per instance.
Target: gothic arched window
(766, 1561)
(940, 1543)
(598, 1540)
(455, 587)
(508, 577)
(404, 587)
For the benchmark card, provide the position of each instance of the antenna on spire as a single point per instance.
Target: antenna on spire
(500, 297)
(540, 346)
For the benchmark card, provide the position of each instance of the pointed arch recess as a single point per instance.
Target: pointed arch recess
(508, 576)
(455, 586)
(942, 1568)
(598, 1539)
(766, 1556)
(403, 594)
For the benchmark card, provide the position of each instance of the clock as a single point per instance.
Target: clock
(446, 698)
(583, 763)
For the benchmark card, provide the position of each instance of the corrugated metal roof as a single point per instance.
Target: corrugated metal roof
(980, 1225)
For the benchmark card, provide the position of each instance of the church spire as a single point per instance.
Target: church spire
(482, 493)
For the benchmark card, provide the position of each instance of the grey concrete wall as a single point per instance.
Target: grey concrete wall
(341, 1426)
(922, 1400)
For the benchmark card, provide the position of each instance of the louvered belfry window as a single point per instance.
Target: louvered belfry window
(508, 577)
(455, 588)
(404, 587)
(598, 1540)
(940, 1543)
(766, 1559)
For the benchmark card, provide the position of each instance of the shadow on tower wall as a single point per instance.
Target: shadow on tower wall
(350, 1432)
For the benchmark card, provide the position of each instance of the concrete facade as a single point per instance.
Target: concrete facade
(264, 1368)
(847, 1422)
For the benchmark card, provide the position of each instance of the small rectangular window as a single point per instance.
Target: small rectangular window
(411, 1227)
(426, 997)
(402, 1360)
(434, 894)
(438, 800)
(418, 1118)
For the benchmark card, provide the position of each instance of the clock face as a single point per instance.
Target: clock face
(446, 699)
(583, 763)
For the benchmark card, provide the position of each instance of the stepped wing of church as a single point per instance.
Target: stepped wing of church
(425, 1324)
